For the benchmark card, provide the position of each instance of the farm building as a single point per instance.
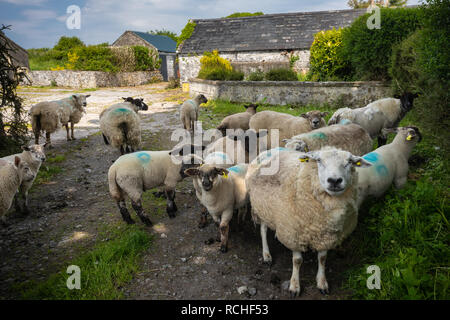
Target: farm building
(259, 42)
(165, 46)
(18, 54)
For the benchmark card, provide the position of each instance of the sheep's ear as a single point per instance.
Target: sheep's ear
(16, 161)
(285, 140)
(304, 115)
(246, 106)
(222, 172)
(309, 155)
(87, 96)
(74, 96)
(191, 172)
(360, 162)
(324, 114)
(25, 148)
(124, 98)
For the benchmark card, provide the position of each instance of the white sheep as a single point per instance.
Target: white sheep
(238, 120)
(48, 116)
(389, 164)
(33, 156)
(382, 113)
(221, 191)
(288, 125)
(189, 111)
(133, 173)
(120, 124)
(12, 174)
(351, 137)
(309, 204)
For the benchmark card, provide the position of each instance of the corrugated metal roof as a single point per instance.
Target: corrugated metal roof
(162, 43)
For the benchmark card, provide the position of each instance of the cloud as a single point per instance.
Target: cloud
(25, 2)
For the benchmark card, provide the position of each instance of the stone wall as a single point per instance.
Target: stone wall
(91, 79)
(247, 62)
(351, 94)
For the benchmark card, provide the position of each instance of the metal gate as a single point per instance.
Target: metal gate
(163, 67)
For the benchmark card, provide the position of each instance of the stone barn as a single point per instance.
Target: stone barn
(165, 46)
(259, 42)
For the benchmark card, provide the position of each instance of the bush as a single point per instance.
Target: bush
(186, 33)
(369, 51)
(145, 60)
(214, 67)
(244, 14)
(95, 58)
(68, 43)
(281, 75)
(256, 76)
(325, 60)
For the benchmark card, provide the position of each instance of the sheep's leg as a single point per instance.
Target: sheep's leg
(322, 283)
(203, 217)
(25, 208)
(36, 137)
(48, 142)
(71, 130)
(67, 130)
(122, 150)
(224, 228)
(297, 261)
(137, 206)
(267, 257)
(171, 206)
(124, 212)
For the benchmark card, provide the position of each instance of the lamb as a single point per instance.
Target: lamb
(189, 111)
(48, 116)
(382, 113)
(12, 174)
(288, 125)
(133, 173)
(389, 164)
(33, 156)
(238, 120)
(239, 147)
(120, 124)
(221, 191)
(309, 204)
(352, 138)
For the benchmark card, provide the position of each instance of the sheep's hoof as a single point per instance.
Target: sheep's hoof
(294, 294)
(324, 291)
(223, 248)
(267, 263)
(130, 221)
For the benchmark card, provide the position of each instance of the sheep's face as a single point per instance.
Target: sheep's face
(202, 99)
(406, 100)
(335, 168)
(251, 107)
(36, 151)
(298, 145)
(315, 118)
(139, 103)
(207, 175)
(410, 134)
(81, 101)
(24, 170)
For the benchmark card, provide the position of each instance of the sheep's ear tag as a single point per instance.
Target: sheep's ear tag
(409, 137)
(225, 175)
(358, 164)
(304, 159)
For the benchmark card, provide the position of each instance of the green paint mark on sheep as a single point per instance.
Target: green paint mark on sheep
(318, 135)
(122, 110)
(143, 157)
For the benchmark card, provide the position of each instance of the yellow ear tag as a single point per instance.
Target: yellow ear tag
(304, 159)
(225, 175)
(409, 137)
(358, 163)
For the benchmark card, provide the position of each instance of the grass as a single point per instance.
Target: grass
(406, 232)
(107, 267)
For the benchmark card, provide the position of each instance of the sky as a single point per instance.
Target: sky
(40, 23)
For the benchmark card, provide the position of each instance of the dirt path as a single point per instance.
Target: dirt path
(70, 211)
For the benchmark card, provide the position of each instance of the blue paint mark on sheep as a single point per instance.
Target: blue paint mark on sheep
(318, 135)
(345, 122)
(143, 157)
(379, 167)
(236, 169)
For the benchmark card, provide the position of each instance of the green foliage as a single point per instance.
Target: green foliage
(68, 43)
(145, 60)
(325, 60)
(45, 58)
(214, 67)
(244, 14)
(256, 76)
(103, 270)
(358, 4)
(369, 51)
(95, 58)
(186, 33)
(164, 32)
(281, 74)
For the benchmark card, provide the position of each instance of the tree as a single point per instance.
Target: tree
(244, 14)
(68, 43)
(164, 32)
(13, 126)
(359, 4)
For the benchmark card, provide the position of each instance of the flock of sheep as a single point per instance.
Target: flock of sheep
(311, 200)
